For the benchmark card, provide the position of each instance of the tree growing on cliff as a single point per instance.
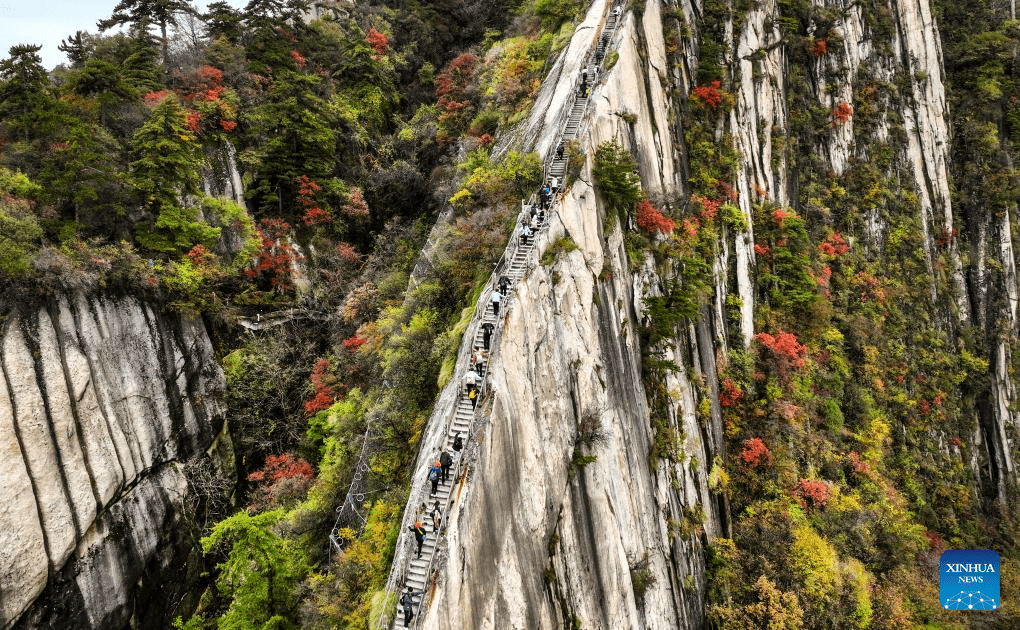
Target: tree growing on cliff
(167, 169)
(256, 585)
(162, 13)
(616, 178)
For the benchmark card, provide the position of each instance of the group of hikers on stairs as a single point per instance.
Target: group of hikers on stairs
(532, 219)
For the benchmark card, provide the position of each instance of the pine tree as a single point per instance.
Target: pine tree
(222, 20)
(163, 13)
(29, 110)
(299, 141)
(77, 47)
(166, 172)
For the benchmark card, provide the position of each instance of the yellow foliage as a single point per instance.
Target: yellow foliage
(872, 438)
(461, 197)
(857, 581)
(815, 564)
(773, 610)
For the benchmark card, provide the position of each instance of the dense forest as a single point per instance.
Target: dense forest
(322, 185)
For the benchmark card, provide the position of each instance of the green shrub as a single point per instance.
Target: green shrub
(616, 178)
(611, 58)
(562, 245)
(19, 227)
(641, 579)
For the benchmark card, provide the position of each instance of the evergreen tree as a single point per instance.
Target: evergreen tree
(77, 47)
(161, 12)
(107, 83)
(166, 172)
(298, 140)
(259, 576)
(83, 177)
(222, 20)
(29, 110)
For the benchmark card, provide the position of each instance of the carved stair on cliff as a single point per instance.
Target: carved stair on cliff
(417, 572)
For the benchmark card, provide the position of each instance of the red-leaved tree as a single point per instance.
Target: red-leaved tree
(651, 220)
(709, 94)
(812, 493)
(788, 353)
(378, 41)
(755, 453)
(454, 88)
(842, 113)
(283, 480)
(729, 393)
(276, 255)
(322, 386)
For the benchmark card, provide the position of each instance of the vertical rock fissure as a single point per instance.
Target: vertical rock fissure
(168, 358)
(164, 358)
(21, 447)
(79, 433)
(32, 342)
(102, 408)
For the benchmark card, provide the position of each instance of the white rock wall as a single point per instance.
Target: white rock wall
(534, 542)
(569, 346)
(100, 398)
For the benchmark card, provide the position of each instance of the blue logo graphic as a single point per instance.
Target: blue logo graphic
(969, 580)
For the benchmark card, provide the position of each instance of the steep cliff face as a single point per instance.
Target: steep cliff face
(103, 399)
(539, 539)
(552, 538)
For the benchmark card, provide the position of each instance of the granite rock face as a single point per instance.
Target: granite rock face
(537, 541)
(102, 401)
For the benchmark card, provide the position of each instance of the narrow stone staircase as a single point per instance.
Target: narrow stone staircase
(416, 575)
(558, 166)
(418, 568)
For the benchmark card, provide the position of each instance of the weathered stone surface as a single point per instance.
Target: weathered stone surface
(35, 432)
(101, 399)
(23, 563)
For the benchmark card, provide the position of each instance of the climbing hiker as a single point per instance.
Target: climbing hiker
(554, 185)
(487, 334)
(406, 601)
(525, 234)
(435, 472)
(478, 360)
(504, 284)
(559, 150)
(437, 514)
(470, 382)
(419, 534)
(598, 57)
(445, 461)
(497, 297)
(458, 443)
(616, 11)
